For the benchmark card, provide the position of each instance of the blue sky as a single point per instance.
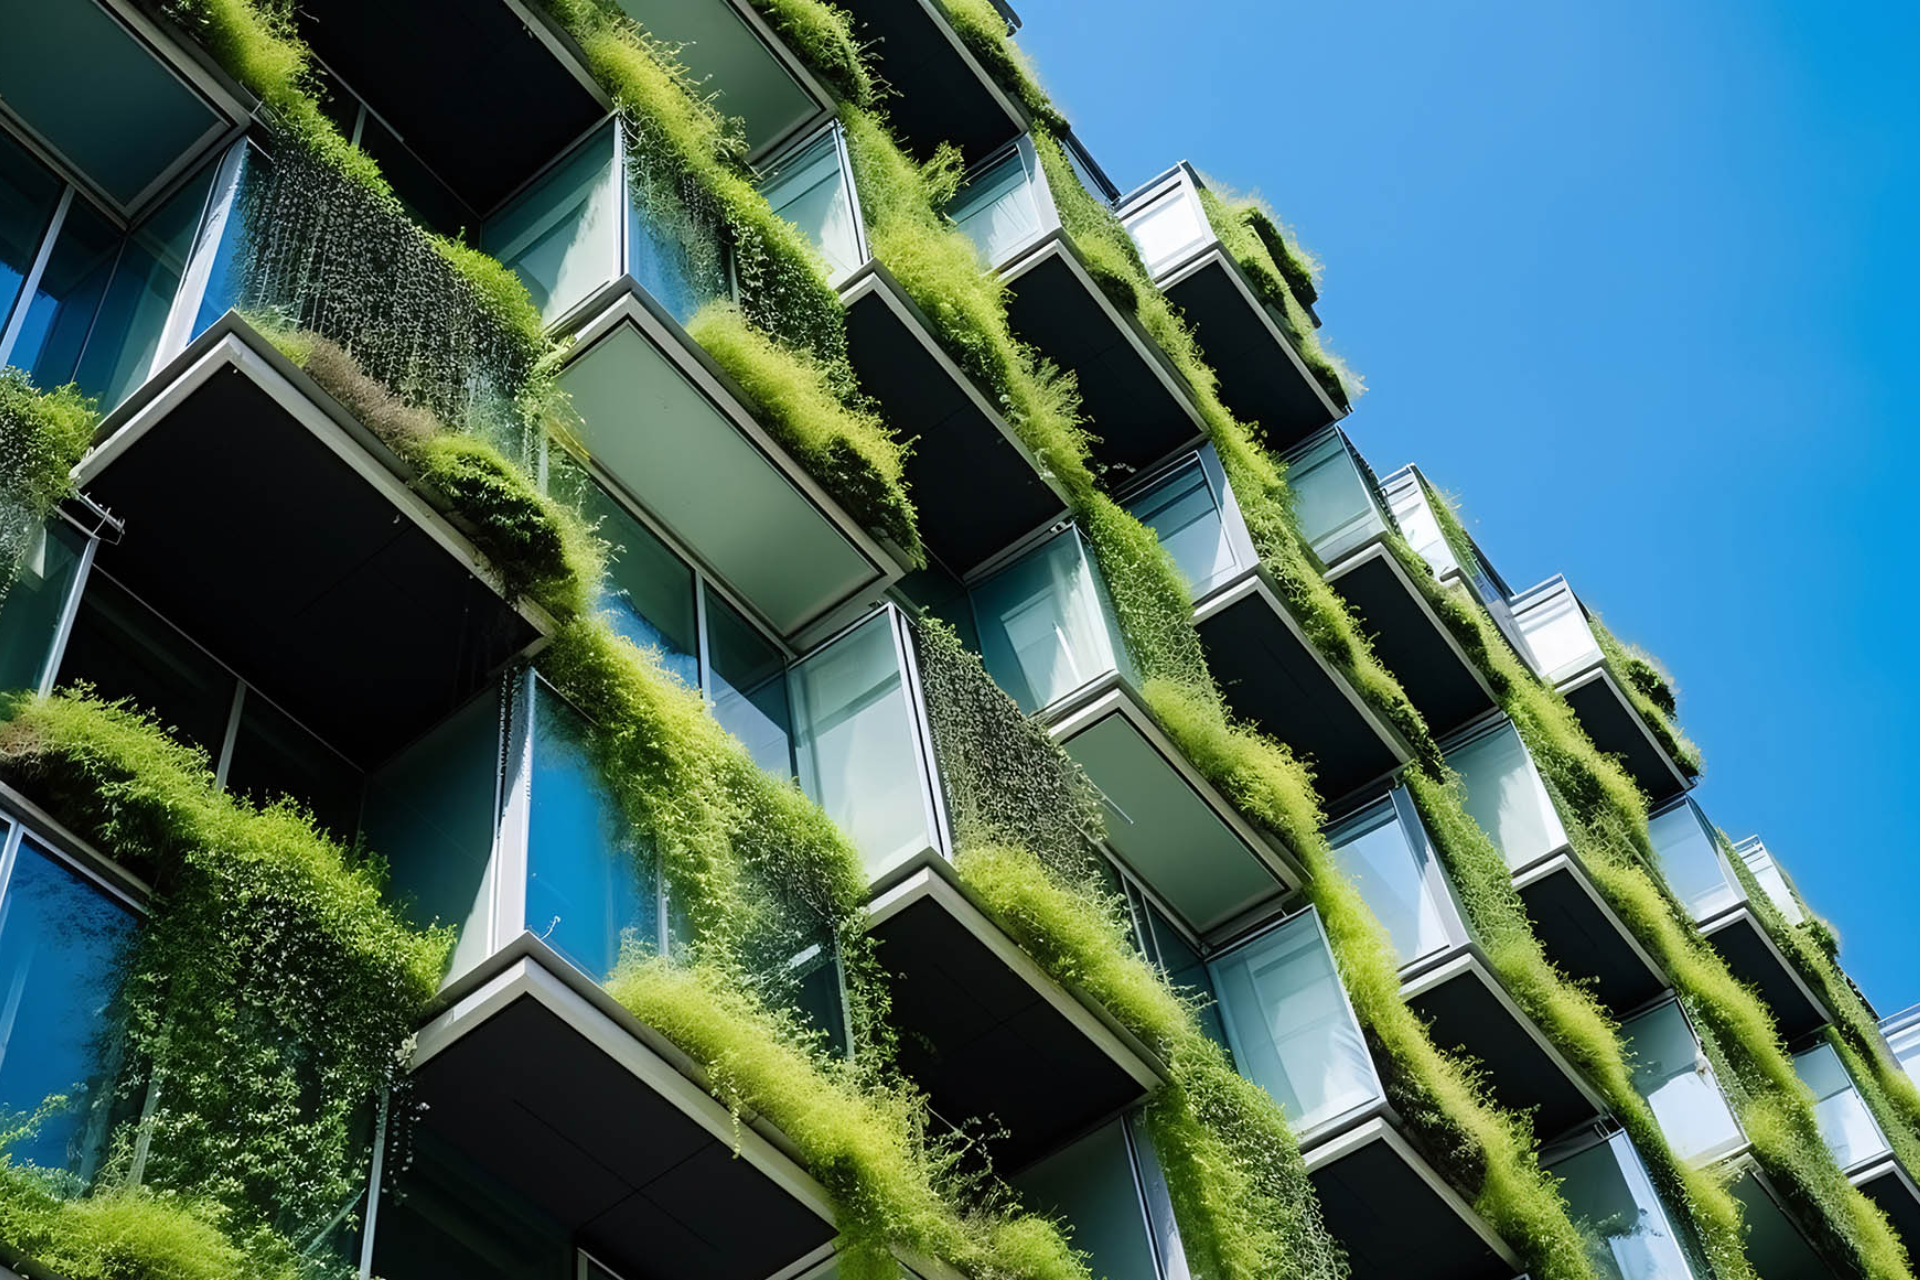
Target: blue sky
(1637, 280)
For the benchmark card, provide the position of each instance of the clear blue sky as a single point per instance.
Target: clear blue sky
(1639, 281)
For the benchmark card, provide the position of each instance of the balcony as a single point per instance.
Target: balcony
(1858, 1144)
(1292, 1032)
(1563, 652)
(943, 94)
(1671, 1071)
(1127, 386)
(1415, 508)
(1700, 876)
(1579, 930)
(1270, 673)
(1262, 377)
(1633, 1236)
(1902, 1031)
(1386, 852)
(1773, 880)
(1345, 520)
(1109, 1189)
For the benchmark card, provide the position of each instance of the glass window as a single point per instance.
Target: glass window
(1184, 512)
(590, 883)
(448, 1218)
(818, 995)
(1333, 500)
(1184, 967)
(1505, 796)
(274, 755)
(562, 235)
(1388, 856)
(1851, 1132)
(31, 608)
(1631, 1236)
(126, 650)
(1291, 1029)
(1773, 881)
(1000, 206)
(1413, 512)
(226, 275)
(1090, 1186)
(1904, 1038)
(648, 591)
(67, 296)
(1672, 1074)
(62, 944)
(29, 193)
(1045, 626)
(673, 253)
(1691, 860)
(813, 191)
(1556, 630)
(858, 747)
(1171, 228)
(748, 683)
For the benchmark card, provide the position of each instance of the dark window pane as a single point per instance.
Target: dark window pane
(1185, 970)
(273, 755)
(750, 687)
(125, 650)
(818, 995)
(28, 195)
(648, 593)
(452, 1221)
(33, 604)
(427, 198)
(60, 313)
(127, 331)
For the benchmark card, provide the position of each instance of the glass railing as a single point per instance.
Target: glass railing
(1385, 851)
(1903, 1037)
(1852, 1134)
(1290, 1025)
(1672, 1073)
(1006, 205)
(1108, 1189)
(1191, 510)
(1630, 1234)
(1773, 881)
(1336, 499)
(1170, 225)
(33, 608)
(812, 187)
(1691, 859)
(1046, 625)
(1555, 629)
(1506, 796)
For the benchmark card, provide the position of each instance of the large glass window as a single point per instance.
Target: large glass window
(133, 313)
(67, 296)
(1046, 627)
(1001, 206)
(1169, 229)
(1292, 1031)
(1385, 851)
(1182, 964)
(274, 755)
(29, 193)
(1183, 510)
(813, 190)
(62, 945)
(1506, 797)
(648, 592)
(1672, 1074)
(1556, 630)
(1773, 881)
(1631, 1236)
(1691, 859)
(1334, 500)
(747, 679)
(1852, 1134)
(1090, 1185)
(562, 235)
(30, 611)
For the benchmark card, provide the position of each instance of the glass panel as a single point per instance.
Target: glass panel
(1556, 631)
(1608, 1189)
(28, 195)
(1905, 1042)
(62, 942)
(1160, 1215)
(1394, 869)
(1000, 208)
(647, 593)
(749, 687)
(1690, 857)
(1184, 967)
(1505, 795)
(1045, 626)
(274, 755)
(814, 192)
(562, 235)
(1413, 512)
(60, 314)
(1170, 228)
(856, 742)
(126, 650)
(227, 273)
(1290, 1027)
(31, 608)
(1772, 880)
(450, 1219)
(1672, 1074)
(1849, 1128)
(1183, 511)
(677, 255)
(818, 994)
(126, 333)
(1090, 1185)
(431, 812)
(1335, 503)
(590, 886)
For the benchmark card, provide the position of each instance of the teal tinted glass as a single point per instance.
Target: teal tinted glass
(813, 192)
(28, 195)
(749, 687)
(126, 650)
(562, 235)
(274, 756)
(67, 297)
(1090, 1186)
(30, 612)
(226, 277)
(1630, 1236)
(648, 591)
(126, 332)
(1184, 513)
(1184, 967)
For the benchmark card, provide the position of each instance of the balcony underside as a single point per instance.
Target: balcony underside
(1409, 637)
(1582, 935)
(1890, 1187)
(942, 94)
(1262, 378)
(1135, 405)
(1616, 728)
(977, 489)
(988, 1035)
(486, 92)
(1272, 676)
(1743, 943)
(1776, 1246)
(274, 530)
(1470, 1011)
(1395, 1217)
(550, 1094)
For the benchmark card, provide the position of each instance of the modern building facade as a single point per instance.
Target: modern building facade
(1121, 821)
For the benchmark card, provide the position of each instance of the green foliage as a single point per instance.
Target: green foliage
(42, 435)
(983, 29)
(1651, 691)
(822, 34)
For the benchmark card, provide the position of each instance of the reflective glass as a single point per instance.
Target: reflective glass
(814, 192)
(647, 593)
(1089, 1185)
(1851, 1132)
(818, 994)
(67, 296)
(1505, 796)
(1672, 1074)
(1773, 881)
(31, 608)
(1394, 869)
(858, 748)
(1000, 207)
(1632, 1238)
(1045, 626)
(1169, 229)
(1413, 512)
(448, 1220)
(590, 884)
(1154, 1189)
(1334, 503)
(1905, 1041)
(1556, 631)
(562, 235)
(126, 650)
(678, 257)
(274, 755)
(1691, 860)
(133, 314)
(1184, 967)
(227, 225)
(748, 683)
(29, 194)
(1291, 1030)
(1184, 513)
(62, 946)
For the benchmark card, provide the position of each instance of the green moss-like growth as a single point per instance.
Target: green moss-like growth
(1651, 691)
(122, 1235)
(983, 29)
(42, 436)
(823, 35)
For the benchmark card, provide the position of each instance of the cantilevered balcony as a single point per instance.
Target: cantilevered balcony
(1700, 876)
(1415, 504)
(1671, 1071)
(1563, 652)
(1858, 1144)
(1262, 377)
(1633, 1232)
(1346, 521)
(1385, 850)
(1270, 672)
(1773, 880)
(1580, 931)
(941, 91)
(1140, 407)
(976, 487)
(1292, 1031)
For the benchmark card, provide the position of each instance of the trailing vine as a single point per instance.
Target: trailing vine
(42, 435)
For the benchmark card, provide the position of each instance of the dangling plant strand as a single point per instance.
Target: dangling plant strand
(42, 436)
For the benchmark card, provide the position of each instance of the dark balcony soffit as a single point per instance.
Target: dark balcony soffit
(1892, 1188)
(486, 92)
(977, 487)
(1615, 727)
(279, 533)
(941, 92)
(1411, 640)
(1743, 943)
(1582, 935)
